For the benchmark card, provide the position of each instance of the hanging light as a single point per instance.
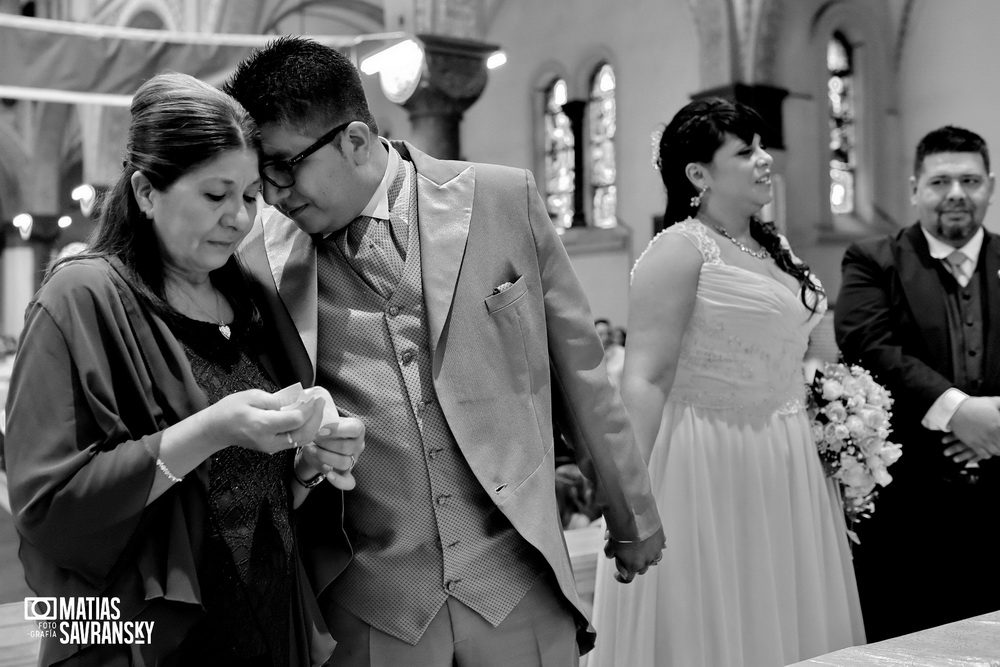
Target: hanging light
(23, 222)
(497, 59)
(86, 195)
(398, 68)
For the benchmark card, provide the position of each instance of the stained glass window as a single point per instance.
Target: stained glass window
(602, 147)
(840, 93)
(560, 171)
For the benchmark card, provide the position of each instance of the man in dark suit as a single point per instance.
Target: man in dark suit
(435, 301)
(921, 311)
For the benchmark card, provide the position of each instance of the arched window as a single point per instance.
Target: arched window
(603, 172)
(560, 171)
(841, 110)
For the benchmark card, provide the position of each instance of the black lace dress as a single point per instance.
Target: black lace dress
(246, 574)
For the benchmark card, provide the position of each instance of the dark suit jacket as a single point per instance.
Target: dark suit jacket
(891, 318)
(505, 365)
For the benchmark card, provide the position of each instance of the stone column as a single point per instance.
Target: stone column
(575, 110)
(23, 266)
(453, 77)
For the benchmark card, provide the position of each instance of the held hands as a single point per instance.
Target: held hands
(975, 429)
(632, 558)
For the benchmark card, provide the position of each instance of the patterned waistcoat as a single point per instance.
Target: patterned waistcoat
(421, 525)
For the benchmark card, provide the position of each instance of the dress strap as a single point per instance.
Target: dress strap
(695, 232)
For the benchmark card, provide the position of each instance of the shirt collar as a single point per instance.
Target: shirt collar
(378, 205)
(940, 250)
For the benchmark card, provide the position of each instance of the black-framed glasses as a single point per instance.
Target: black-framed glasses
(281, 173)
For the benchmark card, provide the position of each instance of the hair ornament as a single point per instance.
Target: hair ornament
(654, 142)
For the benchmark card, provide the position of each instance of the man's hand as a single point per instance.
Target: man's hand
(958, 451)
(632, 558)
(335, 452)
(976, 424)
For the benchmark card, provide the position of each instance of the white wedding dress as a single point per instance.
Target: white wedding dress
(757, 570)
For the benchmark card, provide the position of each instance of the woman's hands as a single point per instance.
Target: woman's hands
(261, 421)
(253, 419)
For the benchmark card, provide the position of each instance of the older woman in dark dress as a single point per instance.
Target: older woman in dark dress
(151, 461)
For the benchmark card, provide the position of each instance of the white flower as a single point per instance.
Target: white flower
(855, 425)
(851, 386)
(855, 476)
(841, 431)
(870, 446)
(878, 471)
(835, 412)
(832, 390)
(890, 453)
(874, 418)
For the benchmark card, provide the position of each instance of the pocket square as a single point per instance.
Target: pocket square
(502, 288)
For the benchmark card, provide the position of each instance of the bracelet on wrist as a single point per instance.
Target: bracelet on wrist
(166, 471)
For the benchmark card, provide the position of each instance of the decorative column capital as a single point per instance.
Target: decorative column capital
(453, 76)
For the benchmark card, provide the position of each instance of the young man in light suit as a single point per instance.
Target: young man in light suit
(436, 302)
(921, 311)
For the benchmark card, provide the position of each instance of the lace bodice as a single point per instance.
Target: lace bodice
(744, 345)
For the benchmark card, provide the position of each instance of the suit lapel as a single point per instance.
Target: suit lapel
(291, 256)
(989, 260)
(920, 275)
(445, 192)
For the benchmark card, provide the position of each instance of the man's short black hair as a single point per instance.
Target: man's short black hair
(302, 83)
(950, 139)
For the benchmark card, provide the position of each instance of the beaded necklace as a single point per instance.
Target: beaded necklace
(762, 253)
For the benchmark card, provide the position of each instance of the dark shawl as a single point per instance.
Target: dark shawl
(96, 380)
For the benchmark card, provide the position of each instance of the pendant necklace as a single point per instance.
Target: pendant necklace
(216, 320)
(762, 253)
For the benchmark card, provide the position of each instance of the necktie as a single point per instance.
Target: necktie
(374, 253)
(956, 262)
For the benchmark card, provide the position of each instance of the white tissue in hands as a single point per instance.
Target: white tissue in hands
(295, 395)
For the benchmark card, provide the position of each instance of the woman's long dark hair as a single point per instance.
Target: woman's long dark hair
(178, 124)
(694, 135)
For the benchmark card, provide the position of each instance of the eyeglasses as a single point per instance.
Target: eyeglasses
(281, 173)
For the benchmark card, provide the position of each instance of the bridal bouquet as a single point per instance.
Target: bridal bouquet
(850, 424)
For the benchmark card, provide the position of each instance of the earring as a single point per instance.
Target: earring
(696, 200)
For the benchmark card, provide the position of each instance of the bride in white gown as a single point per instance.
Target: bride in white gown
(757, 570)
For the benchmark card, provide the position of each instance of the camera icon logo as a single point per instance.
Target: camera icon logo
(40, 609)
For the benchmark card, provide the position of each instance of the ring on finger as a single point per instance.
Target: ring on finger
(354, 462)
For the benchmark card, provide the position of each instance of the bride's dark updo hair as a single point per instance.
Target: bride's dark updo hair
(694, 135)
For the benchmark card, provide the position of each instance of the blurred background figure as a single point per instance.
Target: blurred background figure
(614, 351)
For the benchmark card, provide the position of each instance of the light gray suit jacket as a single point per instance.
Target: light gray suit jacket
(505, 365)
